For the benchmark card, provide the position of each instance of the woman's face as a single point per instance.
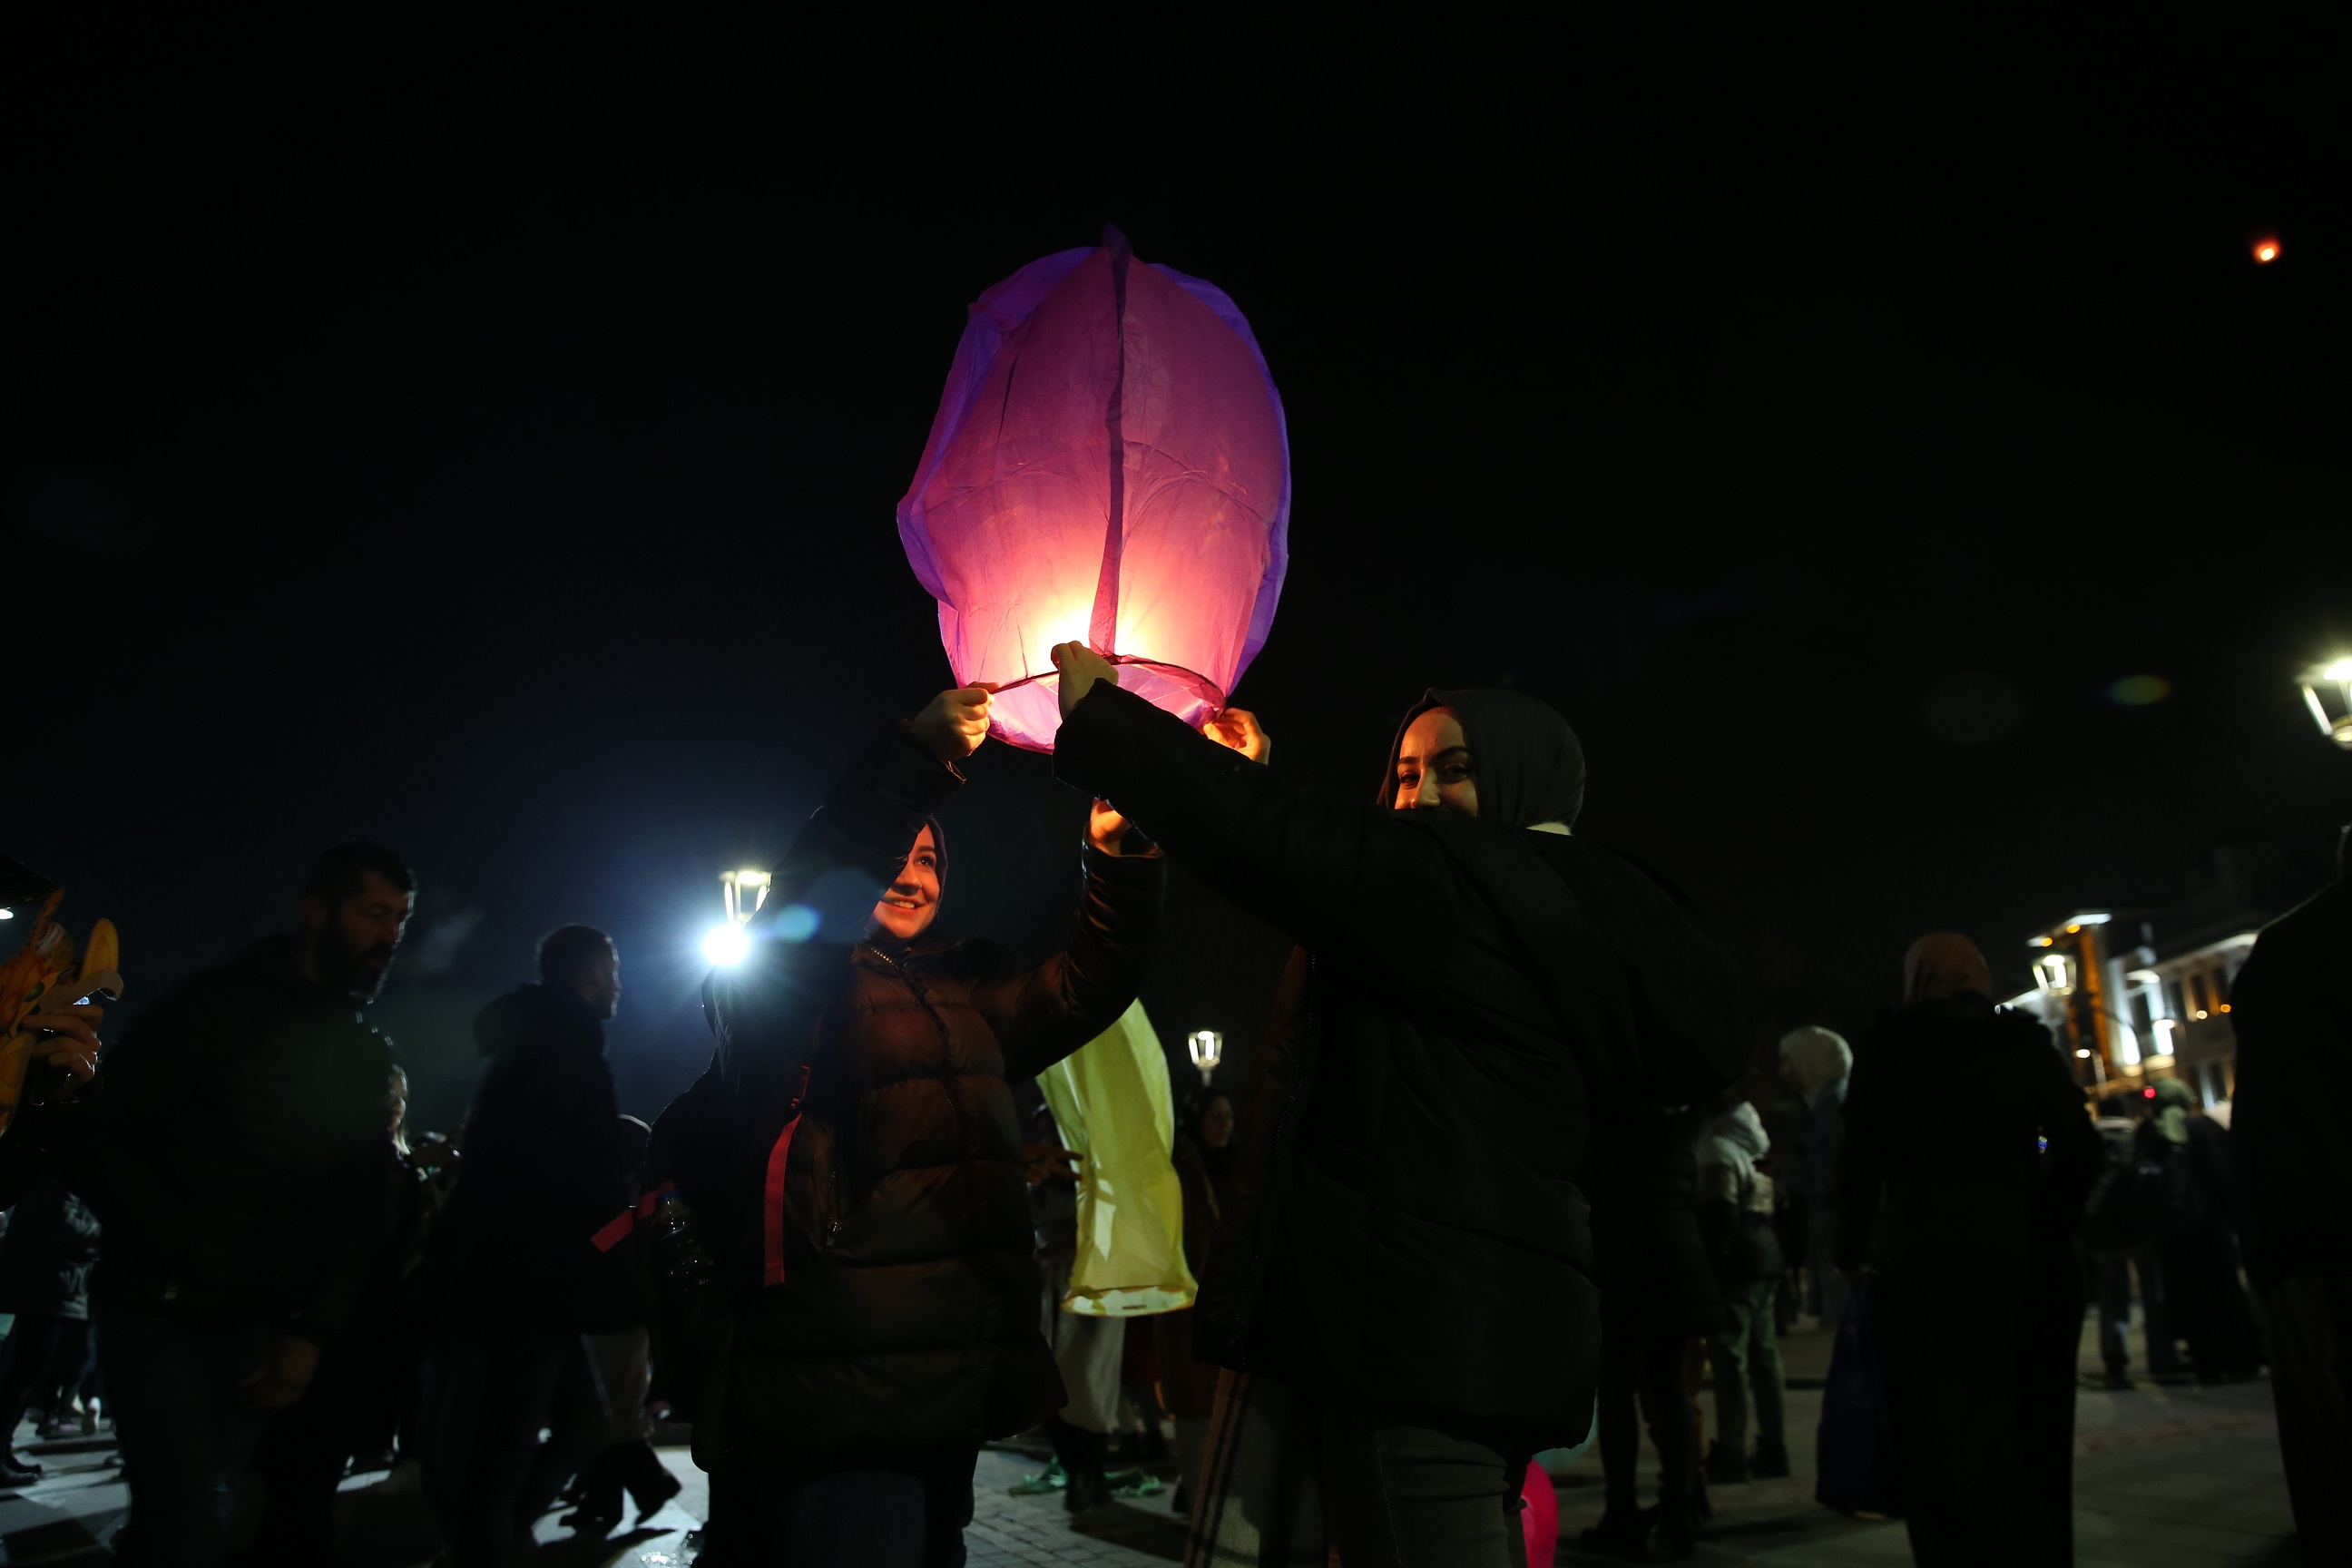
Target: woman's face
(1217, 1122)
(1433, 770)
(912, 902)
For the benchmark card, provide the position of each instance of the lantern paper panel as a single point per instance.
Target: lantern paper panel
(1108, 466)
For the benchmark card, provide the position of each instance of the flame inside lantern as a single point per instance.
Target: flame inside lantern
(2266, 250)
(1108, 466)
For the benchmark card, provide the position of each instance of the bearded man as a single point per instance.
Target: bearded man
(233, 1145)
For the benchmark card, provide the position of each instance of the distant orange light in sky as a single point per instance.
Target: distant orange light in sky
(2266, 250)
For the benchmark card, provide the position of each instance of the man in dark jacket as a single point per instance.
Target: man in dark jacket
(1410, 1264)
(235, 1148)
(2294, 1213)
(853, 1158)
(512, 1271)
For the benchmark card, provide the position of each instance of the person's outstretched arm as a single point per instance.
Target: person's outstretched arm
(1320, 867)
(865, 828)
(1041, 1014)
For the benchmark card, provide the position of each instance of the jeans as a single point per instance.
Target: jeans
(487, 1394)
(891, 1508)
(42, 1361)
(1747, 1357)
(2115, 1271)
(172, 1387)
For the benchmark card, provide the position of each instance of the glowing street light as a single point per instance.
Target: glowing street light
(1208, 1047)
(2327, 688)
(745, 892)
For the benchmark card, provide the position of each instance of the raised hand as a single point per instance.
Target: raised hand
(952, 727)
(1081, 666)
(1239, 729)
(1106, 829)
(72, 1044)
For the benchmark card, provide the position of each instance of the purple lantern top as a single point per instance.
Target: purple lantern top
(1108, 466)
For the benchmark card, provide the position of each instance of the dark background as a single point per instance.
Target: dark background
(486, 442)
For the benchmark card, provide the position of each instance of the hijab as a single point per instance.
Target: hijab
(1529, 764)
(1821, 1056)
(1942, 964)
(882, 941)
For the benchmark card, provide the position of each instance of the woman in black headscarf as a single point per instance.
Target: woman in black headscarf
(1408, 1280)
(1967, 1155)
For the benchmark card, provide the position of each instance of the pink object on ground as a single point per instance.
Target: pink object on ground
(1540, 1518)
(1108, 466)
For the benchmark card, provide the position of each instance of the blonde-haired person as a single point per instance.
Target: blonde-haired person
(1816, 1061)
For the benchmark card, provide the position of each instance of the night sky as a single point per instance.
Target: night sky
(488, 444)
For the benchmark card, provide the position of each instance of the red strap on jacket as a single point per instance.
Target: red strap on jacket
(772, 1215)
(618, 1227)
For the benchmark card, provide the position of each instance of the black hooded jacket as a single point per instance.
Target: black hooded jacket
(1410, 1229)
(542, 1173)
(907, 1311)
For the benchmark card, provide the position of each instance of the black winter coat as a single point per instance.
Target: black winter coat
(543, 1173)
(1642, 1173)
(1944, 1117)
(48, 1254)
(908, 1312)
(1410, 1230)
(234, 1143)
(2293, 1030)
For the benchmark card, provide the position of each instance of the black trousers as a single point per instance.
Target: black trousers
(348, 1410)
(1643, 1368)
(43, 1352)
(487, 1394)
(876, 1508)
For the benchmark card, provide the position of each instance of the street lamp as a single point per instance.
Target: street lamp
(745, 892)
(2327, 688)
(1208, 1047)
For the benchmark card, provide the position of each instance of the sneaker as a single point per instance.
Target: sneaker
(655, 1498)
(1726, 1467)
(2117, 1380)
(58, 1428)
(1049, 1479)
(1770, 1462)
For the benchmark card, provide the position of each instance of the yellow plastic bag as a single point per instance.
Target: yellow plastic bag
(1113, 1105)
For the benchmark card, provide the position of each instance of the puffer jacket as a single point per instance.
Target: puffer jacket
(884, 1290)
(1408, 1229)
(48, 1254)
(1735, 1199)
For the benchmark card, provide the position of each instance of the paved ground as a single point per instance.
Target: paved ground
(2163, 1477)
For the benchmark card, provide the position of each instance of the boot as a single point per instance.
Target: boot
(1619, 1534)
(1674, 1529)
(1770, 1462)
(1087, 1490)
(1726, 1467)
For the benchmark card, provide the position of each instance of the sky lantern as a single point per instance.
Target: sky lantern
(1108, 466)
(2267, 250)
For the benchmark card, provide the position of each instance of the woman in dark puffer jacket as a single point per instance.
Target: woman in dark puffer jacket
(850, 1165)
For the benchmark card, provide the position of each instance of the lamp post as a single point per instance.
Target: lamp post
(2327, 688)
(1208, 1047)
(745, 892)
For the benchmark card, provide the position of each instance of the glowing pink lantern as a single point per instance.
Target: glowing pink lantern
(1108, 466)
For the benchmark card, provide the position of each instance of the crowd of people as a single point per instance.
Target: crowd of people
(1497, 1123)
